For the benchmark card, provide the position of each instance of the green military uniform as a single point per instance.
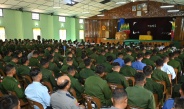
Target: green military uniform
(149, 62)
(175, 64)
(179, 60)
(7, 59)
(85, 73)
(34, 62)
(116, 78)
(100, 59)
(154, 87)
(48, 76)
(159, 75)
(47, 52)
(154, 58)
(75, 64)
(53, 67)
(138, 96)
(76, 86)
(128, 71)
(110, 54)
(64, 68)
(11, 84)
(129, 56)
(108, 67)
(78, 52)
(23, 70)
(93, 56)
(97, 87)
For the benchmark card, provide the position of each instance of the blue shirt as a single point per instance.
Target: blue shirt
(39, 93)
(138, 65)
(120, 61)
(169, 104)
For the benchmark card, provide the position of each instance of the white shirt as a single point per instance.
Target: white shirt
(39, 93)
(169, 70)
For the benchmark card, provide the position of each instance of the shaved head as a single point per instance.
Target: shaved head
(63, 82)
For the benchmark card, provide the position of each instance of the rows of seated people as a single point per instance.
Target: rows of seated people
(46, 73)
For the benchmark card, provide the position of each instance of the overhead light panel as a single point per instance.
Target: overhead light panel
(175, 10)
(120, 3)
(167, 6)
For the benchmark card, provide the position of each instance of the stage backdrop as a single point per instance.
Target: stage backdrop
(160, 27)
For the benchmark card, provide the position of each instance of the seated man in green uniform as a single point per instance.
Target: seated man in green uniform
(86, 72)
(70, 54)
(33, 61)
(9, 83)
(7, 57)
(128, 54)
(127, 70)
(47, 75)
(107, 64)
(69, 62)
(24, 68)
(74, 82)
(174, 63)
(97, 87)
(159, 75)
(101, 58)
(154, 56)
(151, 85)
(115, 77)
(147, 60)
(138, 96)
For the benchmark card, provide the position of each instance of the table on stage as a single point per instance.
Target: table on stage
(145, 37)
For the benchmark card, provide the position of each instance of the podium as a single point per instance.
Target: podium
(145, 37)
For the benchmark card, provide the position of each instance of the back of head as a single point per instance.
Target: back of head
(165, 58)
(139, 78)
(171, 55)
(8, 68)
(9, 102)
(119, 94)
(127, 60)
(159, 62)
(147, 70)
(179, 103)
(34, 72)
(139, 56)
(100, 69)
(63, 82)
(44, 61)
(87, 61)
(24, 59)
(109, 58)
(120, 54)
(69, 59)
(71, 69)
(35, 52)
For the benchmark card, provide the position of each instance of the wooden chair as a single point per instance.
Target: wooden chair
(157, 103)
(176, 71)
(164, 84)
(27, 80)
(130, 79)
(1, 94)
(170, 77)
(48, 85)
(90, 99)
(2, 73)
(115, 86)
(73, 92)
(34, 103)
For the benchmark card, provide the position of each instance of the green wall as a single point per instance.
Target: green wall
(20, 25)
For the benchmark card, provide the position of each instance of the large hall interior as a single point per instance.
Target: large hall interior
(91, 54)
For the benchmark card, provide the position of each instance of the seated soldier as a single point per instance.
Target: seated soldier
(69, 54)
(62, 99)
(120, 59)
(129, 54)
(9, 83)
(147, 60)
(101, 58)
(7, 57)
(47, 74)
(107, 64)
(86, 72)
(33, 61)
(115, 77)
(178, 103)
(151, 85)
(24, 68)
(36, 91)
(97, 87)
(138, 65)
(119, 99)
(127, 70)
(159, 75)
(74, 82)
(9, 102)
(174, 63)
(167, 68)
(138, 96)
(69, 62)
(154, 56)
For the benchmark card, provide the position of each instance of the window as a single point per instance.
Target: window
(36, 32)
(35, 16)
(62, 19)
(81, 21)
(81, 34)
(1, 12)
(2, 33)
(62, 34)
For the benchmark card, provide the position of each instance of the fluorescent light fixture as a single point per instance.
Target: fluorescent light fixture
(167, 6)
(56, 7)
(176, 10)
(120, 3)
(86, 12)
(100, 15)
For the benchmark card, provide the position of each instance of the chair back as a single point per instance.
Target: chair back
(164, 84)
(48, 85)
(34, 103)
(130, 79)
(157, 103)
(90, 99)
(115, 86)
(27, 80)
(1, 94)
(73, 92)
(2, 73)
(176, 71)
(170, 77)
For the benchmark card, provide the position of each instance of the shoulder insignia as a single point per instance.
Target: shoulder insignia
(68, 95)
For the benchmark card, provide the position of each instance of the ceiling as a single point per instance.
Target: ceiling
(93, 6)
